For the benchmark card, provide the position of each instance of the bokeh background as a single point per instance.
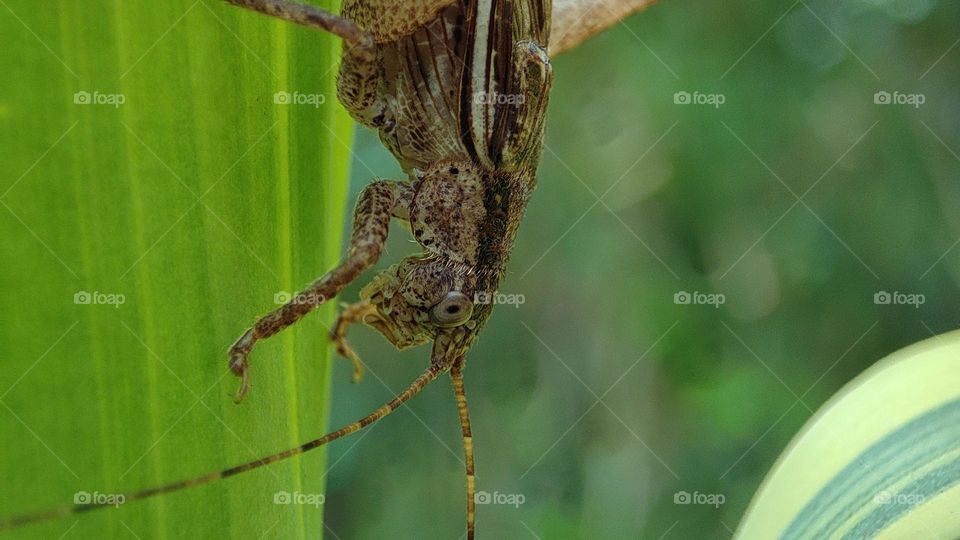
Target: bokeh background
(800, 198)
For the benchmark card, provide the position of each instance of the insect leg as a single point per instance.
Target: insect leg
(371, 220)
(456, 374)
(358, 89)
(359, 71)
(313, 17)
(352, 313)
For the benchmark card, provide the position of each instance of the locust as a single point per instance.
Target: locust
(458, 91)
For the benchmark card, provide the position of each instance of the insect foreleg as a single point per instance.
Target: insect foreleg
(351, 314)
(371, 221)
(307, 15)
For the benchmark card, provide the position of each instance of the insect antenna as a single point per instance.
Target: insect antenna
(456, 374)
(415, 387)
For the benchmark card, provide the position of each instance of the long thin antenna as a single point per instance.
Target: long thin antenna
(456, 374)
(415, 387)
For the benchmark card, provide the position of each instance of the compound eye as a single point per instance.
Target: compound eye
(454, 310)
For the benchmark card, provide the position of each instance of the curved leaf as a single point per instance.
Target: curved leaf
(880, 460)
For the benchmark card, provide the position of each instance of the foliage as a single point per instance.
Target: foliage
(147, 163)
(892, 473)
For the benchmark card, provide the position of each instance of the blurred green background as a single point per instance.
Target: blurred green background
(695, 198)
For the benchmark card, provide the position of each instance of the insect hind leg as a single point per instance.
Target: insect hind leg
(358, 89)
(313, 17)
(360, 69)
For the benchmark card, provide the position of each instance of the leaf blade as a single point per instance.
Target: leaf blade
(880, 458)
(138, 395)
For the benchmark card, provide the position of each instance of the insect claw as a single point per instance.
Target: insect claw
(239, 365)
(244, 386)
(357, 373)
(345, 350)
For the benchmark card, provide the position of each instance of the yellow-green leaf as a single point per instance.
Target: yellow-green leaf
(154, 200)
(880, 460)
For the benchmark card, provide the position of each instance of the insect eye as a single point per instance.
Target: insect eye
(454, 310)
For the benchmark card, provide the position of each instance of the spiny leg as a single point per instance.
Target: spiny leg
(352, 313)
(359, 72)
(371, 221)
(313, 17)
(428, 376)
(456, 374)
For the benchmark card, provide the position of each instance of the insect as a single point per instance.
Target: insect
(457, 90)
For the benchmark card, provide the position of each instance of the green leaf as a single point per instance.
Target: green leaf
(175, 184)
(880, 460)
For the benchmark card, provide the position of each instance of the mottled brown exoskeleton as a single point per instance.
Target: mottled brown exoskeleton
(457, 90)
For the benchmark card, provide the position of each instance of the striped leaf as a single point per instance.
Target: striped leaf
(880, 460)
(155, 199)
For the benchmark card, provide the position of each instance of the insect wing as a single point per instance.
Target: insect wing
(503, 91)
